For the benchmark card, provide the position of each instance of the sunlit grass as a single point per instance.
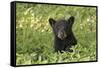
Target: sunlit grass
(34, 37)
(37, 48)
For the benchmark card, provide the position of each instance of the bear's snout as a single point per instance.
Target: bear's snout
(62, 35)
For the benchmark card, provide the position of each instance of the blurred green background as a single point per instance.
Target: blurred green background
(34, 37)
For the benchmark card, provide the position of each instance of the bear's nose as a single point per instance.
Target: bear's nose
(61, 35)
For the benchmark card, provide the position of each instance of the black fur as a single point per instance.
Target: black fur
(64, 37)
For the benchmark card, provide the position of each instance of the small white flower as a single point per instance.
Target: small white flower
(81, 26)
(42, 31)
(88, 20)
(31, 25)
(20, 25)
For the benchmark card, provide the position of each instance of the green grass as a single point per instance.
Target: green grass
(34, 37)
(37, 48)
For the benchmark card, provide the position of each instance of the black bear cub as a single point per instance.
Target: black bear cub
(64, 37)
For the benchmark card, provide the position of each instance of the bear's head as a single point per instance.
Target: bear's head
(62, 28)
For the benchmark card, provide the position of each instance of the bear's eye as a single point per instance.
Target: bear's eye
(57, 27)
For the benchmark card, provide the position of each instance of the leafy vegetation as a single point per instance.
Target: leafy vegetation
(34, 37)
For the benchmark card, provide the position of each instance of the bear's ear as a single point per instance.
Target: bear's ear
(52, 21)
(71, 20)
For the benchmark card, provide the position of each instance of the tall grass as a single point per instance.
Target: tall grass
(34, 37)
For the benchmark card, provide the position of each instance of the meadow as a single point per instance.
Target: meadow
(34, 36)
